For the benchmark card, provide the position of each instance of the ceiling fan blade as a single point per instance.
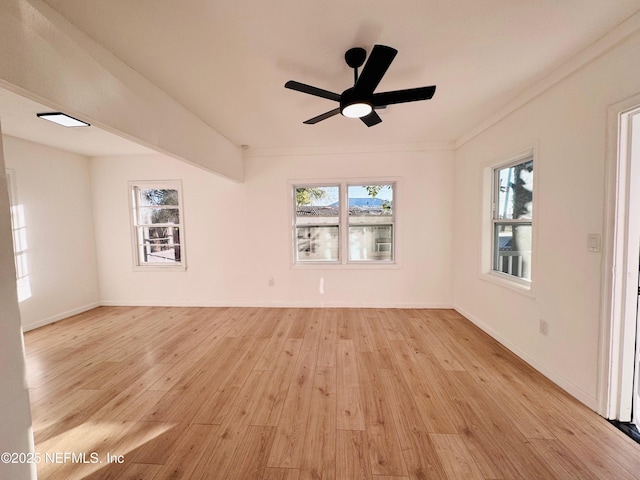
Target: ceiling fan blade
(379, 60)
(402, 96)
(324, 116)
(318, 92)
(372, 119)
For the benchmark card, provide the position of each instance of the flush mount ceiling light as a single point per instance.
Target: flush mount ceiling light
(357, 110)
(63, 119)
(353, 105)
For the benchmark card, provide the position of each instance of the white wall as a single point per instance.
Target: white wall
(16, 434)
(238, 235)
(213, 211)
(54, 190)
(568, 122)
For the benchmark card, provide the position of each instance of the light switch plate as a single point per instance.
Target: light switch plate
(594, 243)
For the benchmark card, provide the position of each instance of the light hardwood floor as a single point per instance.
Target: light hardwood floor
(257, 393)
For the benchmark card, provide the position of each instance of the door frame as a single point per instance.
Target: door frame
(619, 274)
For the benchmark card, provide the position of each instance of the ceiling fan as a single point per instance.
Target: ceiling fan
(359, 101)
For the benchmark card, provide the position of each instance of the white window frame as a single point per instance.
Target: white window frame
(344, 224)
(488, 272)
(138, 265)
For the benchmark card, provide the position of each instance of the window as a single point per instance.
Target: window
(512, 218)
(370, 222)
(317, 223)
(157, 224)
(334, 218)
(20, 246)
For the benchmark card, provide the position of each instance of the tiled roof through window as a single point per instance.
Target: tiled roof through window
(316, 211)
(332, 211)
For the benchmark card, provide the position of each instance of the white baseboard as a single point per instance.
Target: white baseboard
(564, 383)
(59, 316)
(127, 303)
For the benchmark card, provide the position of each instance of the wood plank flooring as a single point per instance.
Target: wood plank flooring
(297, 394)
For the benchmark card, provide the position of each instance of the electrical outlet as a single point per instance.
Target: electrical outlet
(544, 327)
(272, 282)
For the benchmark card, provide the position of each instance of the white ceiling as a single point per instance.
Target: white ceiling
(227, 61)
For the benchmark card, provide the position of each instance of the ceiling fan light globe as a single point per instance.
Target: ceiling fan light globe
(357, 110)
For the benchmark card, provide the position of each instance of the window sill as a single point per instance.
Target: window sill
(160, 268)
(346, 266)
(519, 286)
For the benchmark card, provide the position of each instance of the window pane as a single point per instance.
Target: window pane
(370, 203)
(20, 239)
(317, 205)
(370, 243)
(317, 244)
(512, 243)
(153, 196)
(160, 254)
(150, 215)
(159, 244)
(515, 191)
(22, 267)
